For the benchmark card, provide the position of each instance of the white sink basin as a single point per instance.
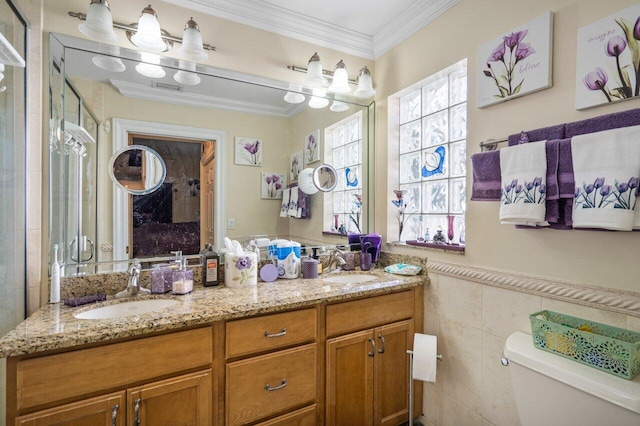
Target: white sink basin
(350, 279)
(120, 310)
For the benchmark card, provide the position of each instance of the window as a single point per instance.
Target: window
(432, 131)
(343, 150)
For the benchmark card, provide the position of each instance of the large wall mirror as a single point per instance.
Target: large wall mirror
(197, 119)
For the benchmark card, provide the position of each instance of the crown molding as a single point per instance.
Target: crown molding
(624, 302)
(301, 27)
(158, 94)
(408, 23)
(285, 22)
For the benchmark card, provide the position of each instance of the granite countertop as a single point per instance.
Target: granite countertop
(54, 326)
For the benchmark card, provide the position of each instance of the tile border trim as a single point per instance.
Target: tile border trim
(625, 302)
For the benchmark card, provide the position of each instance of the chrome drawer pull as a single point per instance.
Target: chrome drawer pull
(136, 412)
(384, 344)
(373, 347)
(283, 332)
(114, 415)
(281, 386)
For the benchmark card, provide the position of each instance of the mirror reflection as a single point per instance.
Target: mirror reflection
(223, 194)
(325, 178)
(137, 169)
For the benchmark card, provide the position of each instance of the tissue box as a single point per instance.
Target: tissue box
(607, 348)
(240, 270)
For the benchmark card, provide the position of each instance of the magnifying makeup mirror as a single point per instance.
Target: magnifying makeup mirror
(137, 169)
(323, 178)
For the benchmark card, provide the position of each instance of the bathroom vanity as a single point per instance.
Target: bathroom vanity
(291, 352)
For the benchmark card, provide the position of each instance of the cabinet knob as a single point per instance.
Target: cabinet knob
(282, 332)
(282, 385)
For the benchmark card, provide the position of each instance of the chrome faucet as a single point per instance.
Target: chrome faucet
(335, 260)
(133, 285)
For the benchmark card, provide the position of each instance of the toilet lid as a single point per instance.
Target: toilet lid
(625, 393)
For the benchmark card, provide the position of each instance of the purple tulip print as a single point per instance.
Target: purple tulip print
(531, 192)
(597, 195)
(296, 166)
(620, 55)
(248, 151)
(311, 148)
(272, 185)
(502, 64)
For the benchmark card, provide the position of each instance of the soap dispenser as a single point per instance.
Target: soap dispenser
(182, 280)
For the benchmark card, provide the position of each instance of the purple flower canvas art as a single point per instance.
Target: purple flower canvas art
(312, 147)
(272, 185)
(248, 151)
(516, 63)
(608, 61)
(295, 166)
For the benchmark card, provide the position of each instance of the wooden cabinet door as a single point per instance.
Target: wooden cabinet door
(107, 410)
(349, 384)
(391, 388)
(185, 400)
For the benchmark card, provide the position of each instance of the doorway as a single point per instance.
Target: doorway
(212, 154)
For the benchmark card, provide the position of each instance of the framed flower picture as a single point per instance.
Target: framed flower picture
(608, 60)
(248, 151)
(272, 185)
(312, 147)
(516, 63)
(295, 166)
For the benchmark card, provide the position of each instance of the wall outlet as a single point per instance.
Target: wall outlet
(231, 223)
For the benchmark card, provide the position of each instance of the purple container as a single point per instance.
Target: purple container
(309, 268)
(373, 244)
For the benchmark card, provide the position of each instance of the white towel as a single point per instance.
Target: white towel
(524, 183)
(285, 202)
(606, 166)
(293, 202)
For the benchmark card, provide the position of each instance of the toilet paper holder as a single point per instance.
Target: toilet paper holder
(410, 353)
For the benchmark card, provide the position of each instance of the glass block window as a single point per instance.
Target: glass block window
(343, 150)
(432, 155)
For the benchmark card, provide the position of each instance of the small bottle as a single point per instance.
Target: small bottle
(317, 258)
(54, 296)
(211, 263)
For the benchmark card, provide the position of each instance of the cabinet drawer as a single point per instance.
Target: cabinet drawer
(289, 374)
(359, 314)
(64, 376)
(269, 332)
(302, 417)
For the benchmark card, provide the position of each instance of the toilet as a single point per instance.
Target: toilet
(554, 391)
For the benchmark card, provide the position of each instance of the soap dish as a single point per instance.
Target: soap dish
(84, 300)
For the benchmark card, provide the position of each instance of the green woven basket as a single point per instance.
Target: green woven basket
(607, 348)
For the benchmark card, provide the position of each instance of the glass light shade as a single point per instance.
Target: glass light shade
(99, 22)
(340, 83)
(108, 63)
(338, 106)
(365, 86)
(191, 48)
(314, 76)
(149, 66)
(294, 98)
(318, 100)
(186, 75)
(148, 36)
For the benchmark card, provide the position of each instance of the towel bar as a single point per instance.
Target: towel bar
(491, 144)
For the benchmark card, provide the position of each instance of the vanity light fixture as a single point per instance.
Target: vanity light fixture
(316, 76)
(191, 48)
(365, 86)
(338, 106)
(318, 100)
(98, 25)
(294, 95)
(188, 77)
(99, 22)
(149, 66)
(148, 36)
(340, 82)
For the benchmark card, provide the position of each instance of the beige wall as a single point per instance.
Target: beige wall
(595, 258)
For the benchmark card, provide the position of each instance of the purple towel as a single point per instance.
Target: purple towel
(603, 122)
(486, 176)
(546, 133)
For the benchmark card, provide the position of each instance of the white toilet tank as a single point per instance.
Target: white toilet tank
(553, 391)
